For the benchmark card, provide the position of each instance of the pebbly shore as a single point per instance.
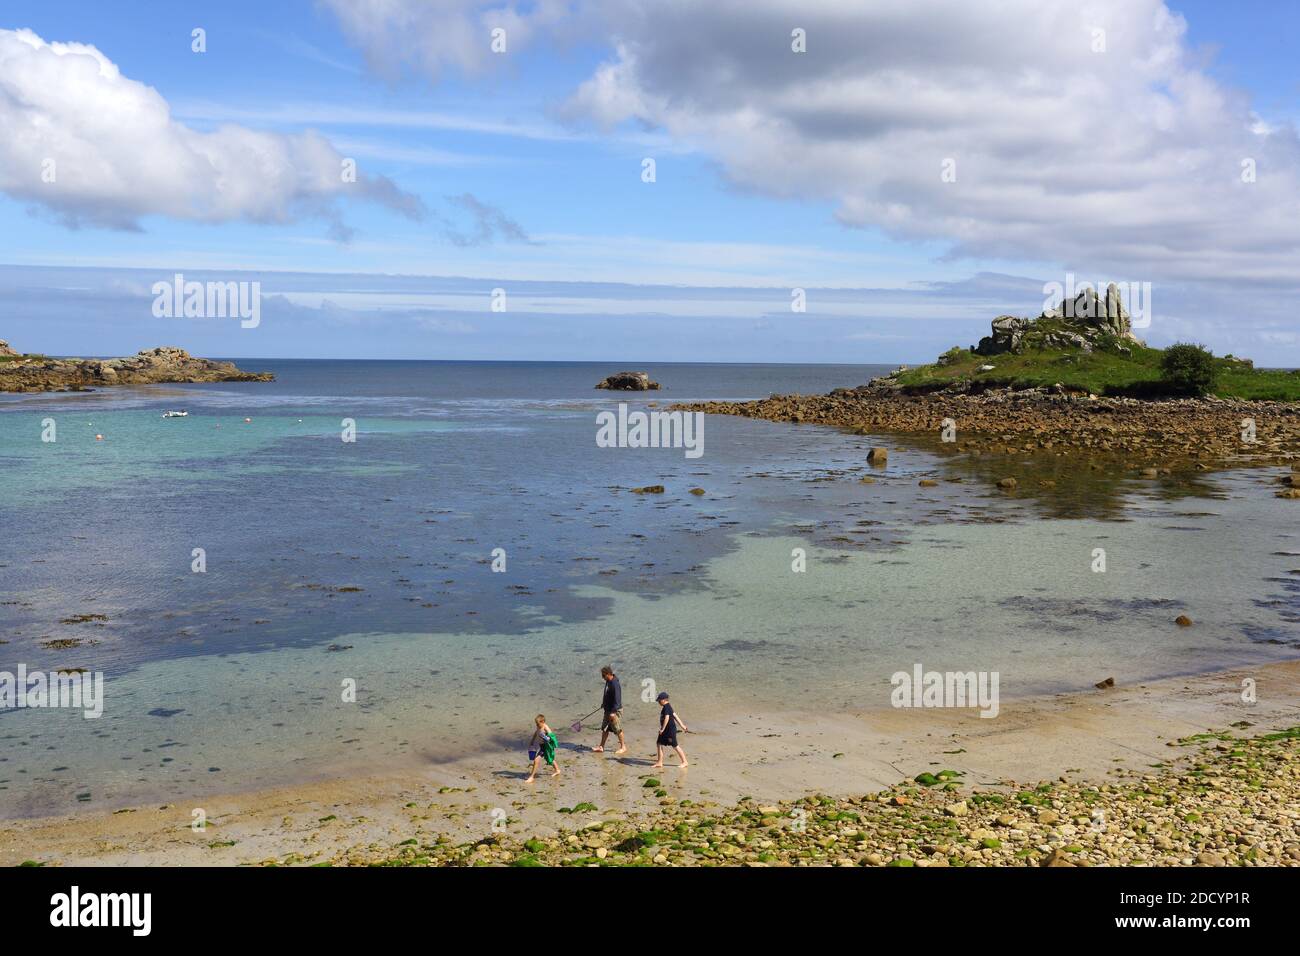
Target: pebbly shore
(1186, 434)
(1231, 801)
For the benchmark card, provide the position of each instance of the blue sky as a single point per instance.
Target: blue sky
(522, 171)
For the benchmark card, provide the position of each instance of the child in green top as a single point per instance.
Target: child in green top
(544, 737)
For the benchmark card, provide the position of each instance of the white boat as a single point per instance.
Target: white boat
(176, 414)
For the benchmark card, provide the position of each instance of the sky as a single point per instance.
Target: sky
(399, 188)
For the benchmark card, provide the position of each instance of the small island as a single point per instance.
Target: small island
(166, 364)
(1073, 381)
(629, 382)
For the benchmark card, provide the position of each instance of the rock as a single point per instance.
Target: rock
(1076, 323)
(1048, 817)
(649, 490)
(148, 367)
(928, 483)
(1210, 859)
(6, 350)
(1007, 484)
(878, 455)
(1057, 857)
(1149, 473)
(697, 491)
(1106, 684)
(958, 809)
(629, 382)
(601, 852)
(1183, 620)
(866, 480)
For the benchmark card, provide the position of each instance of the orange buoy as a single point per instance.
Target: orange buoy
(99, 438)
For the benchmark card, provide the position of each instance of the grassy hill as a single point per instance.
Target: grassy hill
(1107, 370)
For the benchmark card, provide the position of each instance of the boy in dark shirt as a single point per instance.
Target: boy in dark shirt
(668, 724)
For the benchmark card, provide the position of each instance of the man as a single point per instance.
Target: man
(612, 705)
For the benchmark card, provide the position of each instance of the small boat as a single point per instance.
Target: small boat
(176, 414)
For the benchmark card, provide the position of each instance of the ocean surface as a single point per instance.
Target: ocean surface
(330, 565)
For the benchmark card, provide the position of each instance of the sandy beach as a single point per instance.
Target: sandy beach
(1093, 738)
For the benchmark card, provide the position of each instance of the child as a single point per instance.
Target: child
(668, 724)
(544, 737)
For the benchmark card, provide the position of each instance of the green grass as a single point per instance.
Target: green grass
(1099, 372)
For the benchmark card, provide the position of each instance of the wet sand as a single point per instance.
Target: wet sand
(1086, 737)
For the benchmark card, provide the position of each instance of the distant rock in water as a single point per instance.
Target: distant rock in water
(1075, 323)
(38, 373)
(629, 382)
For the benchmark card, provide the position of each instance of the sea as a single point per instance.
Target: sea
(367, 565)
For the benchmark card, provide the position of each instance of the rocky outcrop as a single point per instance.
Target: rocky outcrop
(5, 350)
(629, 382)
(1077, 323)
(147, 367)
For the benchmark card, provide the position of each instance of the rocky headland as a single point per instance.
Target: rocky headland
(40, 373)
(1074, 380)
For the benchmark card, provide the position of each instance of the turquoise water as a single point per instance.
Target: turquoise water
(372, 562)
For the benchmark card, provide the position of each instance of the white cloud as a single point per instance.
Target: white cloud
(1126, 162)
(432, 36)
(1083, 134)
(94, 147)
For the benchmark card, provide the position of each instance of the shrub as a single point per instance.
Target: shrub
(1189, 369)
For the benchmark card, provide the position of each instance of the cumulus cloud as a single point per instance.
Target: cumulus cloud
(1077, 133)
(433, 36)
(92, 146)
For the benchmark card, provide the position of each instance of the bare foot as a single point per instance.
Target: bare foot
(683, 764)
(530, 780)
(656, 766)
(557, 772)
(620, 750)
(598, 750)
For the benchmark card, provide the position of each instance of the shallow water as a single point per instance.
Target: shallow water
(372, 562)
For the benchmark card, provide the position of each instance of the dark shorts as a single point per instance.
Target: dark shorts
(668, 739)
